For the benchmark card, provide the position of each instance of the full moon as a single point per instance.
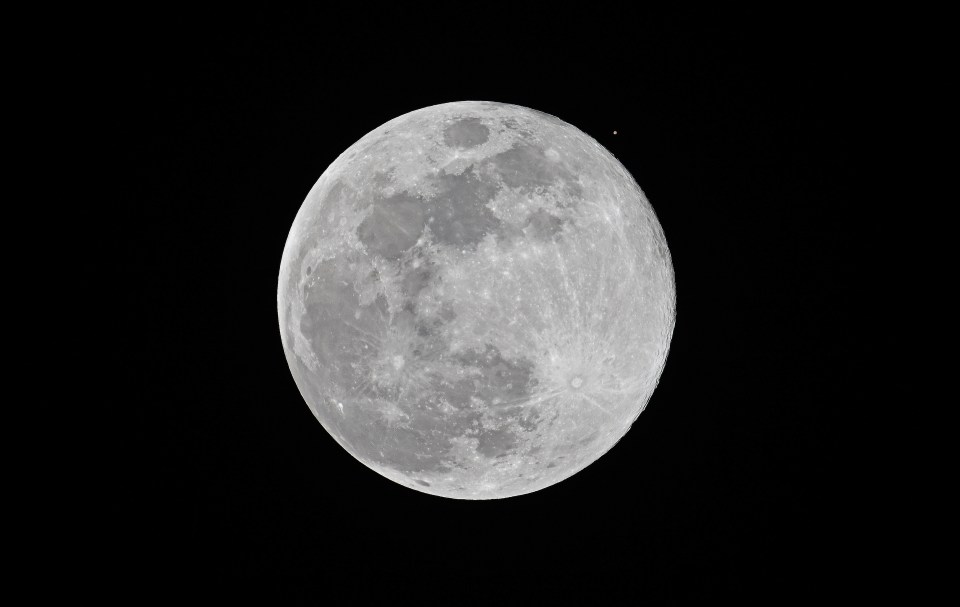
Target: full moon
(476, 300)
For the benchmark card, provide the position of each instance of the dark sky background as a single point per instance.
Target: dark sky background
(728, 484)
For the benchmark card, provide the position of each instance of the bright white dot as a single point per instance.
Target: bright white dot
(576, 382)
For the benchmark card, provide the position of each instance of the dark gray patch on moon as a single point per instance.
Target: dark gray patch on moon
(542, 225)
(430, 326)
(337, 325)
(524, 166)
(346, 336)
(496, 442)
(459, 212)
(527, 167)
(418, 445)
(511, 124)
(466, 133)
(497, 377)
(457, 215)
(416, 279)
(394, 226)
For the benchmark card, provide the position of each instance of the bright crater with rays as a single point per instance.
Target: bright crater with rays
(476, 300)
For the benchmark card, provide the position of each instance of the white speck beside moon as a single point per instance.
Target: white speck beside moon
(476, 300)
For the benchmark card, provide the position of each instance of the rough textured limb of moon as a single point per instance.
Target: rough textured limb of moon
(476, 300)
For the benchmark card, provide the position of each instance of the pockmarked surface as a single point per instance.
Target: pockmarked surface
(476, 300)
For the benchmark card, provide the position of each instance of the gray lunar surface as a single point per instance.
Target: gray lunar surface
(476, 300)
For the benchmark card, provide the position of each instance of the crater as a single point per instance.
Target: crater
(466, 133)
(662, 252)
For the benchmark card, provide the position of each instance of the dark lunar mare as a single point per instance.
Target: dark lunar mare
(466, 133)
(344, 337)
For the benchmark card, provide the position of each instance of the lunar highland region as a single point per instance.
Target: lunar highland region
(476, 300)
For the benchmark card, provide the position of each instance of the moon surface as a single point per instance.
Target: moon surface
(476, 300)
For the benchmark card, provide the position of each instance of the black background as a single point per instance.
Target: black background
(729, 483)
